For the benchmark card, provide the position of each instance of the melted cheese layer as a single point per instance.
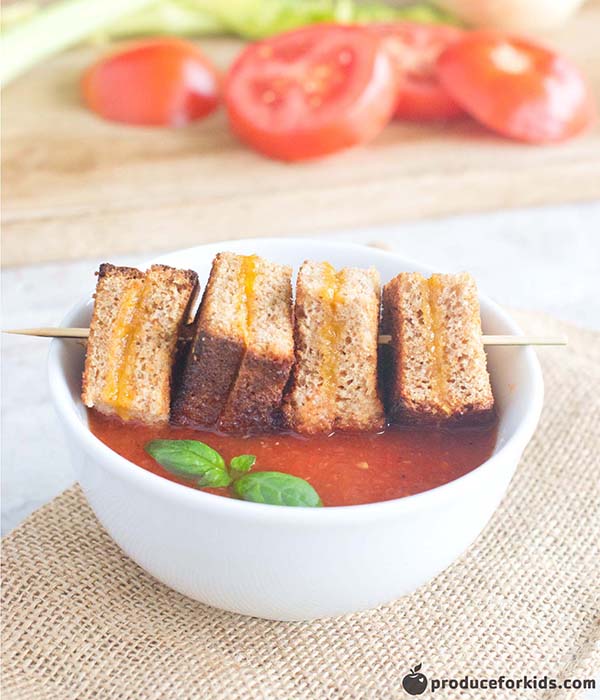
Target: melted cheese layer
(119, 390)
(331, 329)
(434, 286)
(248, 273)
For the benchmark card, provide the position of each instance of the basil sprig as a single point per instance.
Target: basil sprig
(195, 460)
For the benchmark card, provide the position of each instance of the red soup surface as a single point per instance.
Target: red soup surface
(344, 469)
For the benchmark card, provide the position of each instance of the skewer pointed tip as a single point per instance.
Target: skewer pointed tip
(50, 332)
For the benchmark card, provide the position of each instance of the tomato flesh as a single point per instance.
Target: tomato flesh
(311, 92)
(414, 49)
(516, 87)
(161, 82)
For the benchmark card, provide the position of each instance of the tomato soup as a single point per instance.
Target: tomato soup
(344, 469)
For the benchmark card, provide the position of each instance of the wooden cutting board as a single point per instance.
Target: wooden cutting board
(75, 186)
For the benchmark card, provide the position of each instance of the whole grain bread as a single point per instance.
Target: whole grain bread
(216, 350)
(134, 329)
(242, 351)
(434, 369)
(254, 401)
(334, 379)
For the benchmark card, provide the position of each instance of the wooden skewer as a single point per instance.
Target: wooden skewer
(383, 339)
(51, 332)
(506, 340)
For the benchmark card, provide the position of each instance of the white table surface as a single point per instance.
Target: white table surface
(546, 259)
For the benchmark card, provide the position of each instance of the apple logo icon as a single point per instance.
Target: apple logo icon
(415, 683)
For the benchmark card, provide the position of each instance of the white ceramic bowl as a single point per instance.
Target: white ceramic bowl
(295, 563)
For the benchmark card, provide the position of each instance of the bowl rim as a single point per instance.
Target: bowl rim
(68, 410)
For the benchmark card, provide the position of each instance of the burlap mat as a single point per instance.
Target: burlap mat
(83, 621)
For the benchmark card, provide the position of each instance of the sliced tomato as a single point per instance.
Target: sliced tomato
(516, 87)
(311, 92)
(159, 82)
(415, 48)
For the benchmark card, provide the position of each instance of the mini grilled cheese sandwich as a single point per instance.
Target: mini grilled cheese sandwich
(134, 329)
(435, 366)
(334, 380)
(250, 362)
(240, 357)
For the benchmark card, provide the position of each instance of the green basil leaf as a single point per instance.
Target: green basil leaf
(215, 478)
(185, 457)
(243, 463)
(276, 489)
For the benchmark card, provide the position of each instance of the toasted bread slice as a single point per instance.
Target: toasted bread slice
(255, 398)
(242, 352)
(217, 348)
(133, 334)
(434, 369)
(334, 379)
